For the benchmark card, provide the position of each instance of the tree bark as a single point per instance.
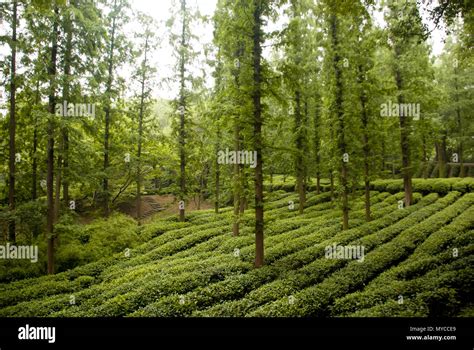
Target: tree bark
(404, 136)
(50, 150)
(66, 89)
(365, 147)
(237, 183)
(462, 172)
(182, 124)
(341, 123)
(218, 172)
(34, 164)
(299, 161)
(140, 135)
(258, 142)
(317, 145)
(12, 128)
(105, 185)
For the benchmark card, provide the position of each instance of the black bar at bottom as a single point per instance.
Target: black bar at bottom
(407, 332)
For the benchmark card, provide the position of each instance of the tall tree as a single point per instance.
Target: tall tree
(182, 110)
(50, 150)
(405, 32)
(12, 123)
(339, 113)
(144, 74)
(257, 24)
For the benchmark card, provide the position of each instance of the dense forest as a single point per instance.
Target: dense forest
(300, 125)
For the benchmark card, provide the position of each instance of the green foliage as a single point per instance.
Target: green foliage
(190, 269)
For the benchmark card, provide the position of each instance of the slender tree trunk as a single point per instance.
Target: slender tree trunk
(105, 185)
(66, 89)
(140, 135)
(341, 124)
(442, 154)
(34, 164)
(218, 170)
(12, 128)
(258, 142)
(50, 151)
(236, 180)
(366, 146)
(182, 102)
(243, 188)
(317, 145)
(462, 172)
(57, 190)
(404, 136)
(299, 161)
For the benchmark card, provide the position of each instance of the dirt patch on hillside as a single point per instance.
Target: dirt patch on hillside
(160, 206)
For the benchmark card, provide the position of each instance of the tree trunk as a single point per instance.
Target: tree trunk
(105, 185)
(182, 101)
(236, 180)
(243, 189)
(66, 88)
(140, 135)
(317, 145)
(12, 128)
(299, 153)
(365, 147)
(404, 137)
(218, 169)
(50, 151)
(34, 165)
(341, 122)
(462, 172)
(57, 191)
(258, 142)
(441, 155)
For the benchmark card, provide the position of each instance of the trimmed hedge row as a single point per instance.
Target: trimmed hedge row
(138, 275)
(425, 292)
(233, 287)
(228, 244)
(315, 271)
(8, 298)
(124, 299)
(135, 274)
(391, 289)
(405, 281)
(463, 185)
(434, 244)
(314, 301)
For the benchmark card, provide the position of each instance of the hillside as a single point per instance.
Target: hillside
(418, 262)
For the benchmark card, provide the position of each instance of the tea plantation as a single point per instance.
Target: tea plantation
(418, 262)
